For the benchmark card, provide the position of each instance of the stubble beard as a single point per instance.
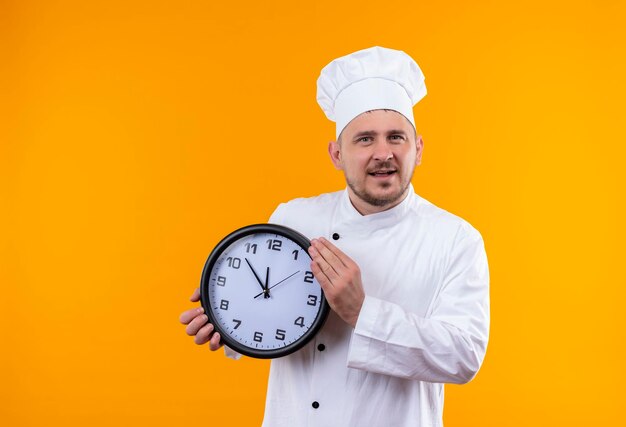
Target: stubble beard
(372, 200)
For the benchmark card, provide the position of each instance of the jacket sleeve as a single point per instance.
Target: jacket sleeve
(446, 346)
(231, 354)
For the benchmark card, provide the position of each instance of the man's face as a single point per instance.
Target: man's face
(378, 152)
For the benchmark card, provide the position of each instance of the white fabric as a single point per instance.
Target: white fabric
(424, 322)
(370, 79)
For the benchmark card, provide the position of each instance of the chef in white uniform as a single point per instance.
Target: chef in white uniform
(408, 282)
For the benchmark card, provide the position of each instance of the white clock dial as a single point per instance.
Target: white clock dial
(262, 294)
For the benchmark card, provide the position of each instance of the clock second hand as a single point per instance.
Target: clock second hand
(276, 284)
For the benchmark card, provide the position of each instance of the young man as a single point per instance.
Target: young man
(408, 282)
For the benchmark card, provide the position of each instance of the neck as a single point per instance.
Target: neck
(365, 208)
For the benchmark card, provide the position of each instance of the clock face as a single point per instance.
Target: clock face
(259, 292)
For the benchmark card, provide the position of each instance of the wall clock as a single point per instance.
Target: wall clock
(258, 290)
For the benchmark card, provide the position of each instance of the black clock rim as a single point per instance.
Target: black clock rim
(281, 230)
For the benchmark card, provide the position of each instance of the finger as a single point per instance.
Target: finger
(321, 277)
(196, 295)
(194, 326)
(342, 257)
(328, 255)
(215, 344)
(204, 334)
(323, 265)
(189, 315)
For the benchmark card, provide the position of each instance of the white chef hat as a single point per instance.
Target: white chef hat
(370, 79)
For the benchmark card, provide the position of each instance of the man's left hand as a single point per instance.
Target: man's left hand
(340, 278)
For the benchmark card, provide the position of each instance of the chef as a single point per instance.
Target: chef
(408, 282)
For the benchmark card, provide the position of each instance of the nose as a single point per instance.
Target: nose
(382, 151)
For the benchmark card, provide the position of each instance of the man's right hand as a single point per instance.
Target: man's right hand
(198, 326)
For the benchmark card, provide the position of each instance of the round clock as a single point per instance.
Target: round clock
(258, 290)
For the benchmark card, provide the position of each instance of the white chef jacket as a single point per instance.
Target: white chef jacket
(424, 321)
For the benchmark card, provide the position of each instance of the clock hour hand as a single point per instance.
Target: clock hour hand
(255, 275)
(278, 283)
(266, 289)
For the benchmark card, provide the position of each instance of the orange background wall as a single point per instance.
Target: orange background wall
(134, 135)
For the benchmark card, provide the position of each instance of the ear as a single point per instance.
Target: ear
(419, 145)
(334, 151)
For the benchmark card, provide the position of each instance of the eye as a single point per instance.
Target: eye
(365, 139)
(396, 138)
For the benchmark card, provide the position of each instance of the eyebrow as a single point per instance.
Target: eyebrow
(374, 133)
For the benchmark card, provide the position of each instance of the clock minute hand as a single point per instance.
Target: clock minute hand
(278, 283)
(255, 275)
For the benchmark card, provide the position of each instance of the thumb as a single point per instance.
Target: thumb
(196, 295)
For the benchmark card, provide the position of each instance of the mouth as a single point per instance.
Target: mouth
(382, 172)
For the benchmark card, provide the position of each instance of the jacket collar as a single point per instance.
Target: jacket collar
(347, 213)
